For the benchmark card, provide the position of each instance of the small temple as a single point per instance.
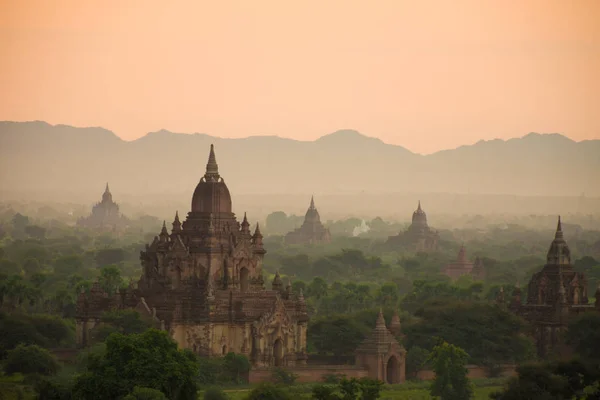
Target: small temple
(462, 266)
(202, 282)
(555, 295)
(312, 230)
(381, 354)
(419, 236)
(105, 215)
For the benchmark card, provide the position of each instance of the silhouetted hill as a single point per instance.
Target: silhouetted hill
(38, 157)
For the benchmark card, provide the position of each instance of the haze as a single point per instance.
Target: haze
(427, 75)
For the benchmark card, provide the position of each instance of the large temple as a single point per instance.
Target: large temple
(462, 266)
(555, 295)
(419, 236)
(203, 283)
(105, 215)
(312, 230)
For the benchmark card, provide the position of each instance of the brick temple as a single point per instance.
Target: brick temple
(555, 295)
(419, 236)
(202, 282)
(312, 230)
(105, 215)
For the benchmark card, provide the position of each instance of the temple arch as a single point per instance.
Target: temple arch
(393, 370)
(244, 279)
(278, 352)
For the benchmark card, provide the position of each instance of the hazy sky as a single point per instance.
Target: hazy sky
(427, 75)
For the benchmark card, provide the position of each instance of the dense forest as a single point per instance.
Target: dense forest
(45, 262)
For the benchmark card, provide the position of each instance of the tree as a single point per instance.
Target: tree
(451, 382)
(19, 222)
(109, 256)
(370, 388)
(35, 231)
(339, 335)
(30, 359)
(416, 358)
(236, 366)
(110, 279)
(268, 391)
(150, 359)
(584, 335)
(31, 266)
(144, 393)
(556, 381)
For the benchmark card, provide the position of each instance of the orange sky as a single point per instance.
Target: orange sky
(424, 74)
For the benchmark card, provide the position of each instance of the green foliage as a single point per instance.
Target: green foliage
(150, 359)
(30, 359)
(13, 387)
(144, 393)
(449, 364)
(231, 369)
(54, 388)
(584, 335)
(215, 393)
(284, 377)
(236, 367)
(565, 380)
(339, 335)
(267, 391)
(42, 330)
(488, 333)
(416, 358)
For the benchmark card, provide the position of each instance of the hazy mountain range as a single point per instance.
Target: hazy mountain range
(40, 158)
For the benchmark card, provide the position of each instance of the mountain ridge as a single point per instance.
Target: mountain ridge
(45, 157)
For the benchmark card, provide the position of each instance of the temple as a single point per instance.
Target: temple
(312, 230)
(105, 215)
(555, 295)
(462, 266)
(203, 283)
(381, 354)
(419, 236)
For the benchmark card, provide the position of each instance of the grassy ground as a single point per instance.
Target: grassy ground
(407, 391)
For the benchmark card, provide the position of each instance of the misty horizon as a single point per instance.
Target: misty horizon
(337, 131)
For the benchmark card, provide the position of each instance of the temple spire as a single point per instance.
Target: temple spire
(419, 207)
(107, 190)
(559, 232)
(245, 224)
(312, 202)
(212, 169)
(380, 320)
(176, 223)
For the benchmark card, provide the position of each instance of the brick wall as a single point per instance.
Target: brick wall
(311, 373)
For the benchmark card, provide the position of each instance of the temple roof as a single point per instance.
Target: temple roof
(211, 194)
(380, 339)
(559, 253)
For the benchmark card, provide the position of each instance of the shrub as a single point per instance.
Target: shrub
(30, 359)
(284, 377)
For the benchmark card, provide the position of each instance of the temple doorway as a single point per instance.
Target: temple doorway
(278, 352)
(244, 279)
(393, 371)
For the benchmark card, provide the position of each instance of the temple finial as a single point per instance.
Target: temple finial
(312, 202)
(419, 207)
(107, 189)
(380, 320)
(257, 231)
(559, 232)
(212, 169)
